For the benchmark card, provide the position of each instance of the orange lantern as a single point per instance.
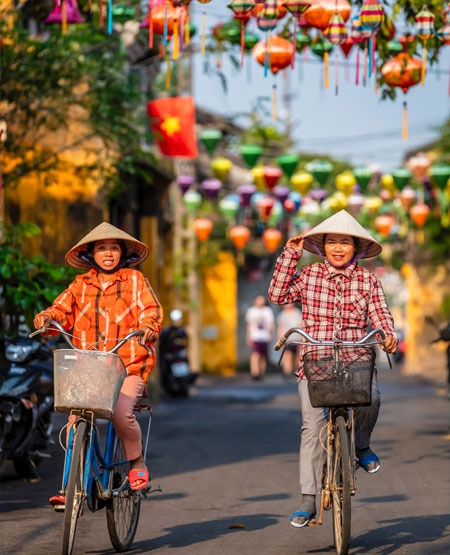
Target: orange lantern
(383, 224)
(275, 51)
(202, 228)
(419, 214)
(403, 71)
(272, 238)
(239, 235)
(407, 196)
(160, 16)
(320, 12)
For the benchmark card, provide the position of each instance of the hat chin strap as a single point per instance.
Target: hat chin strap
(355, 258)
(124, 263)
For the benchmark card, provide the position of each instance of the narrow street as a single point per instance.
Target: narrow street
(227, 461)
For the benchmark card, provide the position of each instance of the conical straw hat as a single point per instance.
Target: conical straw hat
(343, 224)
(105, 231)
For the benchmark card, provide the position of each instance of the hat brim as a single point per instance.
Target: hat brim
(341, 223)
(106, 231)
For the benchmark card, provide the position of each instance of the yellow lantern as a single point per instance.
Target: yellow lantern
(387, 183)
(302, 182)
(373, 204)
(258, 177)
(345, 182)
(221, 168)
(337, 201)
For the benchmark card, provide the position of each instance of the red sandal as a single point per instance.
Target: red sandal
(138, 478)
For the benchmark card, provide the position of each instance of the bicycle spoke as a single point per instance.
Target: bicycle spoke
(341, 488)
(122, 511)
(74, 491)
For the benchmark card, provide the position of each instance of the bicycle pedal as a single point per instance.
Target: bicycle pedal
(314, 522)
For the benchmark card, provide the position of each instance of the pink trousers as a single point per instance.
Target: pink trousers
(124, 419)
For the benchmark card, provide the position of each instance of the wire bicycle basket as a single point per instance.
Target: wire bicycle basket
(87, 380)
(339, 376)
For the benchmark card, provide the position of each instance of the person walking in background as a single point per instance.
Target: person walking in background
(260, 329)
(289, 317)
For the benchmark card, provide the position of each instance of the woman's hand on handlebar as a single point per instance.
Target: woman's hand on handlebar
(41, 320)
(390, 344)
(148, 335)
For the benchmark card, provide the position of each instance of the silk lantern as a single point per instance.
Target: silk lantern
(419, 215)
(202, 228)
(383, 224)
(210, 139)
(402, 71)
(425, 31)
(221, 168)
(251, 154)
(371, 17)
(239, 236)
(64, 12)
(271, 238)
(336, 33)
(241, 11)
(302, 182)
(296, 8)
(272, 174)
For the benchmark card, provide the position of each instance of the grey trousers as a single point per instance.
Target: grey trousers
(312, 454)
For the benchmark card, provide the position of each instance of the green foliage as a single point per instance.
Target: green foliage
(27, 284)
(76, 81)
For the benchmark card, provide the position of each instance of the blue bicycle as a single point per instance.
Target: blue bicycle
(87, 384)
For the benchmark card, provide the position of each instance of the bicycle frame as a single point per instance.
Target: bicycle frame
(97, 464)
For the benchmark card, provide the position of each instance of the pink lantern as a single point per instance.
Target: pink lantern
(265, 205)
(63, 12)
(272, 174)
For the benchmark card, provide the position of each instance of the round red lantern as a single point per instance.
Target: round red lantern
(272, 238)
(402, 71)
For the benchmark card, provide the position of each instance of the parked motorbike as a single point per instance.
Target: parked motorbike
(26, 405)
(175, 373)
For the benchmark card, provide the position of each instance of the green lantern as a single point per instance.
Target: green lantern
(192, 200)
(439, 175)
(321, 46)
(321, 170)
(363, 176)
(251, 154)
(229, 207)
(211, 138)
(288, 163)
(402, 177)
(250, 39)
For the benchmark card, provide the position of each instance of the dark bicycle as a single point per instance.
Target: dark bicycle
(339, 375)
(87, 385)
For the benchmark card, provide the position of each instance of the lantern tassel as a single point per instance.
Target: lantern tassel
(110, 17)
(175, 39)
(424, 64)
(203, 33)
(187, 34)
(357, 68)
(370, 55)
(166, 25)
(64, 17)
(365, 64)
(294, 43)
(168, 76)
(336, 72)
(242, 42)
(100, 11)
(405, 121)
(325, 70)
(150, 26)
(274, 103)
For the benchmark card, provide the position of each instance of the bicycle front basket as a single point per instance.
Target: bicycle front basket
(87, 380)
(343, 380)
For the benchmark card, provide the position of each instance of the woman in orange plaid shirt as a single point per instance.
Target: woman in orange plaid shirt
(100, 307)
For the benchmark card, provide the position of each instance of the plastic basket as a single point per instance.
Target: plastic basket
(87, 380)
(344, 381)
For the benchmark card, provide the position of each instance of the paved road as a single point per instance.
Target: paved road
(227, 462)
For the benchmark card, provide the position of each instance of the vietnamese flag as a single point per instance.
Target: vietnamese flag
(172, 121)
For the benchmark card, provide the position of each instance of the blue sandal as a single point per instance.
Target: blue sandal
(306, 515)
(370, 463)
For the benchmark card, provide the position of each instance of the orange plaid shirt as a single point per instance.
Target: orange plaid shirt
(99, 315)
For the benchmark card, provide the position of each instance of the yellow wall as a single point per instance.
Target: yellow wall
(219, 317)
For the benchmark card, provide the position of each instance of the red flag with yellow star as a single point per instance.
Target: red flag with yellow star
(172, 121)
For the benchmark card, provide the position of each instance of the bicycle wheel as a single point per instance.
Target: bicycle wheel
(122, 511)
(74, 490)
(341, 488)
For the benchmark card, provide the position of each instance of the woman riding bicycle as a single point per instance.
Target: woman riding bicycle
(102, 306)
(339, 300)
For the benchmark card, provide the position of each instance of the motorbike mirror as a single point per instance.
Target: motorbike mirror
(176, 315)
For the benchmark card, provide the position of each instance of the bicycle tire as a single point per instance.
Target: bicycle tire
(74, 491)
(122, 511)
(341, 493)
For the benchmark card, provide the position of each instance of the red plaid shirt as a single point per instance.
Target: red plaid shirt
(335, 305)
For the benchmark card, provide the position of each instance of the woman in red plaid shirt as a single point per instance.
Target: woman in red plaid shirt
(339, 299)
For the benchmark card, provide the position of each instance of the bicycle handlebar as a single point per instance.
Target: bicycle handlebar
(53, 325)
(312, 341)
